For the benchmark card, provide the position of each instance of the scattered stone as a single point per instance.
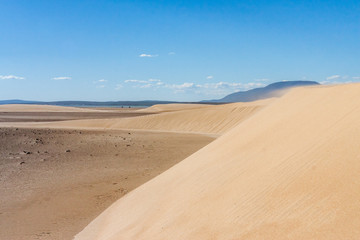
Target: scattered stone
(68, 150)
(21, 163)
(128, 145)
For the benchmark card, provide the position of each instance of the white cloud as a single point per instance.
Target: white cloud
(231, 86)
(100, 81)
(148, 55)
(338, 79)
(210, 77)
(334, 82)
(219, 88)
(61, 78)
(6, 77)
(118, 86)
(333, 77)
(182, 86)
(150, 83)
(154, 80)
(135, 81)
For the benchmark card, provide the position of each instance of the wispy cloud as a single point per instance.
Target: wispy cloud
(209, 77)
(7, 77)
(135, 81)
(154, 80)
(333, 77)
(118, 86)
(100, 81)
(61, 78)
(219, 88)
(150, 83)
(148, 55)
(338, 79)
(171, 53)
(182, 87)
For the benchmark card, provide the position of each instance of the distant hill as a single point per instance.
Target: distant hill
(17, 101)
(146, 103)
(272, 90)
(88, 103)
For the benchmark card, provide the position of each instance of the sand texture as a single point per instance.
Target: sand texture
(291, 171)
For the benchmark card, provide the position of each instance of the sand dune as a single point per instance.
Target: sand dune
(41, 108)
(290, 172)
(210, 119)
(172, 107)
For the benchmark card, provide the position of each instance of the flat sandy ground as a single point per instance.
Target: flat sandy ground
(53, 182)
(62, 116)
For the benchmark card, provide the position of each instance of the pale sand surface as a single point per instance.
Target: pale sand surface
(291, 171)
(172, 107)
(42, 108)
(53, 194)
(213, 119)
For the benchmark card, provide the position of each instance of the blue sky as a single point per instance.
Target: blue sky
(172, 50)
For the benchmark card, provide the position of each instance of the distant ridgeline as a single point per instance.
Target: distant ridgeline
(272, 90)
(117, 104)
(90, 103)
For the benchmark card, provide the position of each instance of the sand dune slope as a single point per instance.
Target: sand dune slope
(290, 172)
(210, 119)
(172, 107)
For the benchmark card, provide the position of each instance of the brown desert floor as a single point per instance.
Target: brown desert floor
(62, 116)
(53, 182)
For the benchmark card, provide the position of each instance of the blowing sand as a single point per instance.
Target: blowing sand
(291, 171)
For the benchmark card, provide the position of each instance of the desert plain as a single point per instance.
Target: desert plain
(284, 168)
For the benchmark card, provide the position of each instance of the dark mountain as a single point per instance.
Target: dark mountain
(272, 90)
